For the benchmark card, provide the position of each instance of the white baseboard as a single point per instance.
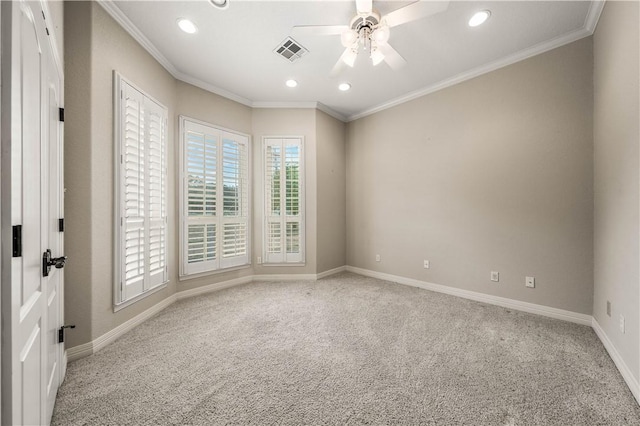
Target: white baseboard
(213, 287)
(94, 346)
(89, 348)
(331, 272)
(285, 277)
(532, 308)
(80, 351)
(624, 369)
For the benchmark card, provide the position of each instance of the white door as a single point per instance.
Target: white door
(53, 212)
(34, 308)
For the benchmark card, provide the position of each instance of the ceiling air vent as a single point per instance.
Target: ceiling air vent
(290, 49)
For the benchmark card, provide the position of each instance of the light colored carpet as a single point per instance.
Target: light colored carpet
(346, 350)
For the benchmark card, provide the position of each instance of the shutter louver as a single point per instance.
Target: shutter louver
(142, 193)
(283, 196)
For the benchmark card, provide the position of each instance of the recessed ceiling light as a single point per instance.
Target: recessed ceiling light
(220, 4)
(187, 26)
(479, 18)
(344, 86)
(291, 83)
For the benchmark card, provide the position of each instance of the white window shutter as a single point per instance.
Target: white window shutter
(235, 176)
(142, 193)
(215, 170)
(157, 212)
(133, 192)
(284, 200)
(200, 171)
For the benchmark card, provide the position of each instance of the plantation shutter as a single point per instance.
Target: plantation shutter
(133, 256)
(284, 207)
(143, 216)
(235, 175)
(157, 222)
(201, 188)
(215, 170)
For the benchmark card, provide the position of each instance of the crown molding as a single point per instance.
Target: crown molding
(213, 89)
(134, 32)
(114, 11)
(322, 107)
(590, 23)
(593, 16)
(301, 105)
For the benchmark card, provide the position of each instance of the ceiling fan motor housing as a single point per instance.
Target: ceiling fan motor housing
(369, 20)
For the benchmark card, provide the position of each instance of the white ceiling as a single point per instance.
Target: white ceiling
(232, 53)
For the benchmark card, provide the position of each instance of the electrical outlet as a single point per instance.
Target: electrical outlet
(259, 260)
(426, 264)
(621, 324)
(377, 258)
(495, 276)
(608, 308)
(530, 282)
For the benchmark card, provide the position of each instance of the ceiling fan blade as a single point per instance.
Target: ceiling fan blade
(340, 65)
(392, 57)
(415, 11)
(364, 6)
(319, 30)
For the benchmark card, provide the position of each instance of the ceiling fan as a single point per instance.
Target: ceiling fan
(370, 31)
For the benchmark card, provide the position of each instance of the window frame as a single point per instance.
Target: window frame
(119, 300)
(182, 273)
(302, 203)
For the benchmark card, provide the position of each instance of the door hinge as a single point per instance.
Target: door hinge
(17, 240)
(61, 225)
(61, 332)
(61, 114)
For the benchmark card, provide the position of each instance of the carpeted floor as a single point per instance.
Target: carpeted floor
(346, 350)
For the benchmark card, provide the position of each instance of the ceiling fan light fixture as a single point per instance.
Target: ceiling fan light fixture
(376, 56)
(220, 4)
(479, 18)
(381, 34)
(349, 57)
(349, 38)
(187, 26)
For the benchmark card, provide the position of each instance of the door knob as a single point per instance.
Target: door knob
(48, 262)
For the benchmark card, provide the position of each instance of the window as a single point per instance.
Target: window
(284, 201)
(215, 198)
(141, 220)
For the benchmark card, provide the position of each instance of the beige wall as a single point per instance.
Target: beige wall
(202, 105)
(491, 174)
(331, 167)
(617, 166)
(285, 122)
(77, 173)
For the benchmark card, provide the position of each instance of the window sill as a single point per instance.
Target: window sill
(130, 302)
(209, 273)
